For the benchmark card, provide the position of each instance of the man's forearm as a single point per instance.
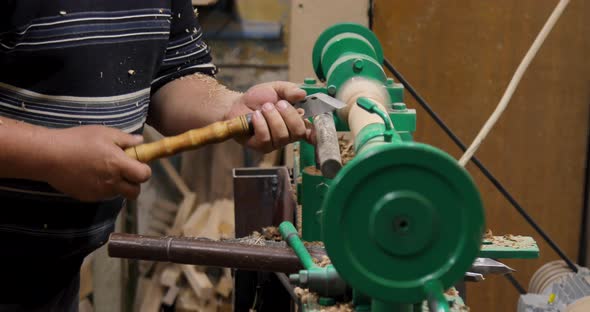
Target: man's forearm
(191, 102)
(23, 150)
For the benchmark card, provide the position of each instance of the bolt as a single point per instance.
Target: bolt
(390, 81)
(399, 106)
(358, 65)
(294, 279)
(309, 81)
(332, 90)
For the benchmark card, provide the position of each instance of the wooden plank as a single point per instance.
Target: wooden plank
(460, 56)
(308, 19)
(199, 281)
(186, 208)
(209, 170)
(171, 295)
(170, 275)
(153, 293)
(197, 220)
(225, 284)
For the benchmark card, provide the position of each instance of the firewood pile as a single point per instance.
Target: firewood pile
(187, 288)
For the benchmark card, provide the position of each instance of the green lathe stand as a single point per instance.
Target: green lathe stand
(402, 221)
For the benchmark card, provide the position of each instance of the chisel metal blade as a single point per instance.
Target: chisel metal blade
(489, 266)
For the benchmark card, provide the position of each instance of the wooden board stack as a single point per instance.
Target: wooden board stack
(186, 287)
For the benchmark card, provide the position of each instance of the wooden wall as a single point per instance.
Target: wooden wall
(460, 55)
(309, 18)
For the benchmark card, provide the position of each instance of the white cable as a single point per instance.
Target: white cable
(522, 67)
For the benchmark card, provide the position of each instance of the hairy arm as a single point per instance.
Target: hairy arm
(24, 150)
(191, 102)
(198, 100)
(87, 162)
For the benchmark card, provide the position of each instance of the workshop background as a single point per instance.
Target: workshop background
(459, 55)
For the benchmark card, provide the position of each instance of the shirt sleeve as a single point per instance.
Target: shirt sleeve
(186, 52)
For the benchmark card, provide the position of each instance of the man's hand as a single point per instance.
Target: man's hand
(89, 163)
(276, 122)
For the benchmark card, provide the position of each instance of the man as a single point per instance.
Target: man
(77, 79)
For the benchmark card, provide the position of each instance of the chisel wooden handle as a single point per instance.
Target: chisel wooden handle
(193, 139)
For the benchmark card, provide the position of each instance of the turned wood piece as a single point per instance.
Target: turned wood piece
(356, 117)
(214, 133)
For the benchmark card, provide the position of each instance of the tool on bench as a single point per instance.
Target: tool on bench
(489, 266)
(314, 104)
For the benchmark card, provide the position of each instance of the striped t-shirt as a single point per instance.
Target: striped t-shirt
(67, 63)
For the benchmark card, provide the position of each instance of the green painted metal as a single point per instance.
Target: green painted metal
(404, 121)
(290, 235)
(324, 281)
(373, 134)
(436, 296)
(341, 39)
(402, 220)
(398, 216)
(307, 155)
(313, 190)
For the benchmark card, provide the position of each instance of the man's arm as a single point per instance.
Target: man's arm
(23, 150)
(198, 100)
(87, 163)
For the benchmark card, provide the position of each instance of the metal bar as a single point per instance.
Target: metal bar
(206, 252)
(328, 148)
(481, 167)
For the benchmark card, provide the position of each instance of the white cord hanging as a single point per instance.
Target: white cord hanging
(522, 67)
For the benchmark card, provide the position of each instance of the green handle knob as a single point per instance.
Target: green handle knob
(370, 106)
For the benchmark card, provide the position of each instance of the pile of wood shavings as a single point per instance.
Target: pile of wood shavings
(325, 261)
(488, 235)
(310, 300)
(346, 149)
(513, 241)
(272, 233)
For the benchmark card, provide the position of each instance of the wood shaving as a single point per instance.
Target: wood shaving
(488, 235)
(346, 149)
(325, 261)
(311, 301)
(340, 307)
(312, 170)
(314, 244)
(271, 233)
(512, 241)
(452, 292)
(306, 296)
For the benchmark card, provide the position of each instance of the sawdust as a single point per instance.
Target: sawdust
(272, 233)
(310, 300)
(306, 296)
(314, 244)
(312, 170)
(346, 149)
(339, 307)
(452, 292)
(325, 261)
(512, 241)
(488, 235)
